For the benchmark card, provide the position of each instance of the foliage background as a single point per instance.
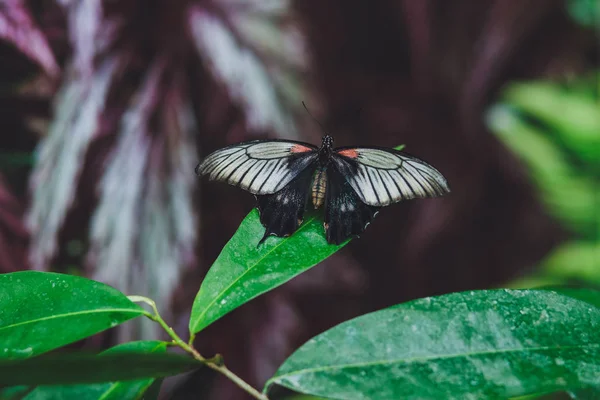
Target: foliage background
(107, 106)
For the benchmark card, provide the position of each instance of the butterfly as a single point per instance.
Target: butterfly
(352, 183)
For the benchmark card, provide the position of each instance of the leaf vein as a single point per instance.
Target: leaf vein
(50, 317)
(428, 358)
(213, 301)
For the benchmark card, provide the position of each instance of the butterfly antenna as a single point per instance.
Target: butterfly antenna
(316, 120)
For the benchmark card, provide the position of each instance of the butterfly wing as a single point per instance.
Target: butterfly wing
(346, 214)
(261, 166)
(381, 176)
(281, 213)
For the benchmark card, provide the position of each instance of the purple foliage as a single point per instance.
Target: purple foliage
(141, 89)
(18, 27)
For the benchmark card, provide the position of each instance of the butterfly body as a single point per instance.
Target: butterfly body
(352, 183)
(319, 187)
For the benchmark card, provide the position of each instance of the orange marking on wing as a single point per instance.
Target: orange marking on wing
(350, 153)
(298, 148)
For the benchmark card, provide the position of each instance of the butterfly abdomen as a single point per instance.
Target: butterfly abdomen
(319, 187)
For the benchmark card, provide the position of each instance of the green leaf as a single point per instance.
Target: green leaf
(40, 311)
(16, 159)
(480, 344)
(14, 392)
(243, 271)
(568, 195)
(153, 392)
(574, 117)
(585, 12)
(574, 260)
(93, 368)
(111, 390)
(585, 394)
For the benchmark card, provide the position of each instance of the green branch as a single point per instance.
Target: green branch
(216, 363)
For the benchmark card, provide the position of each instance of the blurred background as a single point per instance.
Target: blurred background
(107, 106)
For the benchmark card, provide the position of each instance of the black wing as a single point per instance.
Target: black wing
(261, 166)
(346, 215)
(383, 176)
(281, 213)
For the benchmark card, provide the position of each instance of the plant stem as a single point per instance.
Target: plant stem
(215, 363)
(238, 381)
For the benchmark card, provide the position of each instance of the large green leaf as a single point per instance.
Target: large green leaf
(243, 271)
(14, 392)
(124, 390)
(585, 394)
(40, 311)
(55, 369)
(480, 344)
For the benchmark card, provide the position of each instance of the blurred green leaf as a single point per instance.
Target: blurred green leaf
(75, 368)
(574, 260)
(124, 390)
(243, 271)
(587, 85)
(573, 117)
(568, 195)
(542, 396)
(585, 12)
(153, 392)
(555, 130)
(585, 394)
(14, 392)
(41, 311)
(479, 344)
(533, 281)
(540, 153)
(16, 159)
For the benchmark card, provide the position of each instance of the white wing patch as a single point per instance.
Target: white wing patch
(269, 150)
(258, 167)
(385, 177)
